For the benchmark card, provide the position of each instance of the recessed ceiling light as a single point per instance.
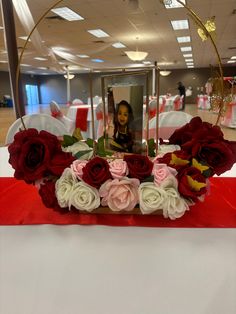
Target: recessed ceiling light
(180, 24)
(188, 60)
(231, 61)
(98, 33)
(147, 62)
(42, 68)
(3, 61)
(118, 45)
(234, 57)
(40, 59)
(82, 56)
(25, 65)
(97, 60)
(174, 4)
(189, 63)
(189, 48)
(190, 66)
(1, 27)
(184, 39)
(67, 14)
(187, 55)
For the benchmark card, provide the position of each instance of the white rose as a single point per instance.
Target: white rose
(164, 149)
(78, 147)
(151, 197)
(174, 206)
(64, 187)
(84, 197)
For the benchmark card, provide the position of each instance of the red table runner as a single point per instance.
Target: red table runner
(20, 204)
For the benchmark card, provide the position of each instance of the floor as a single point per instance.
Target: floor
(7, 117)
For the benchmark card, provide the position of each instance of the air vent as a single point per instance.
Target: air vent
(232, 48)
(54, 17)
(99, 42)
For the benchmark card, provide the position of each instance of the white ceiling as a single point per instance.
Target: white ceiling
(150, 22)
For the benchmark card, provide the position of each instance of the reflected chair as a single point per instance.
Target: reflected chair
(168, 123)
(57, 113)
(39, 121)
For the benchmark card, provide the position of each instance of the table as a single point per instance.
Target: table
(102, 270)
(72, 113)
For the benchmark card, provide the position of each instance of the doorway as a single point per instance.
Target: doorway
(32, 97)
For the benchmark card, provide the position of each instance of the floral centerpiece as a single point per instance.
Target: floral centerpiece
(71, 178)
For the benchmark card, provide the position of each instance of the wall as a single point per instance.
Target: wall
(53, 87)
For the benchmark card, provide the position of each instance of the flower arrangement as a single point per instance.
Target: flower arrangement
(70, 178)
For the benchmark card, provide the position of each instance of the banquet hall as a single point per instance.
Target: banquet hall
(59, 60)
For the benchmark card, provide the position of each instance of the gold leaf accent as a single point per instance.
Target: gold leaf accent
(195, 185)
(178, 161)
(199, 166)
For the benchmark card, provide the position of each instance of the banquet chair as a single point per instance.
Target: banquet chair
(57, 113)
(168, 123)
(39, 121)
(77, 102)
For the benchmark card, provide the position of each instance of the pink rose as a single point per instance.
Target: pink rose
(161, 172)
(120, 194)
(77, 167)
(118, 168)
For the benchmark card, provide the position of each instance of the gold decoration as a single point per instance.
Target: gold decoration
(178, 161)
(199, 166)
(195, 185)
(202, 34)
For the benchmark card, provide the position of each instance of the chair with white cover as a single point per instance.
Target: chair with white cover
(168, 123)
(57, 113)
(39, 121)
(77, 102)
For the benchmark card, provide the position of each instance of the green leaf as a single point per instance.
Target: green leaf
(82, 153)
(151, 147)
(89, 142)
(68, 140)
(148, 179)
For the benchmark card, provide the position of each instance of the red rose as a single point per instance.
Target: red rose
(185, 188)
(47, 193)
(96, 172)
(167, 159)
(59, 162)
(31, 154)
(196, 129)
(140, 167)
(219, 155)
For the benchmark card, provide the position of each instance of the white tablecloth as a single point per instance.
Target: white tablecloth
(112, 270)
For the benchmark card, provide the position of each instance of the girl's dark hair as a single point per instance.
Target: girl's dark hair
(130, 111)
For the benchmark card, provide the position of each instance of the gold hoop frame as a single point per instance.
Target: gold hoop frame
(192, 14)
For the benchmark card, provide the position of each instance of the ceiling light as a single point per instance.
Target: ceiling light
(24, 37)
(40, 59)
(234, 57)
(70, 77)
(25, 65)
(82, 56)
(97, 60)
(118, 45)
(184, 39)
(190, 66)
(3, 61)
(188, 55)
(136, 55)
(188, 60)
(98, 33)
(147, 62)
(189, 48)
(173, 4)
(42, 68)
(1, 27)
(231, 61)
(67, 14)
(165, 73)
(180, 24)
